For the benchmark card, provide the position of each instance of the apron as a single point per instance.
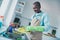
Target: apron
(36, 35)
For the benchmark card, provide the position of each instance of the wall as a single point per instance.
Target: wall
(51, 7)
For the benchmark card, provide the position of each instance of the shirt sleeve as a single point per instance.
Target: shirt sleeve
(46, 23)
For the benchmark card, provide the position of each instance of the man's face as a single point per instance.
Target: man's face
(36, 8)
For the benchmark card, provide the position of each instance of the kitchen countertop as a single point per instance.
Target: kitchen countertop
(3, 38)
(44, 37)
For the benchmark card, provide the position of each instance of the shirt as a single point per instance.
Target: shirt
(44, 21)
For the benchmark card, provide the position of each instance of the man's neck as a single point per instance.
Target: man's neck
(39, 11)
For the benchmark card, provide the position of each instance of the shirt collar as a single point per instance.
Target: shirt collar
(38, 14)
